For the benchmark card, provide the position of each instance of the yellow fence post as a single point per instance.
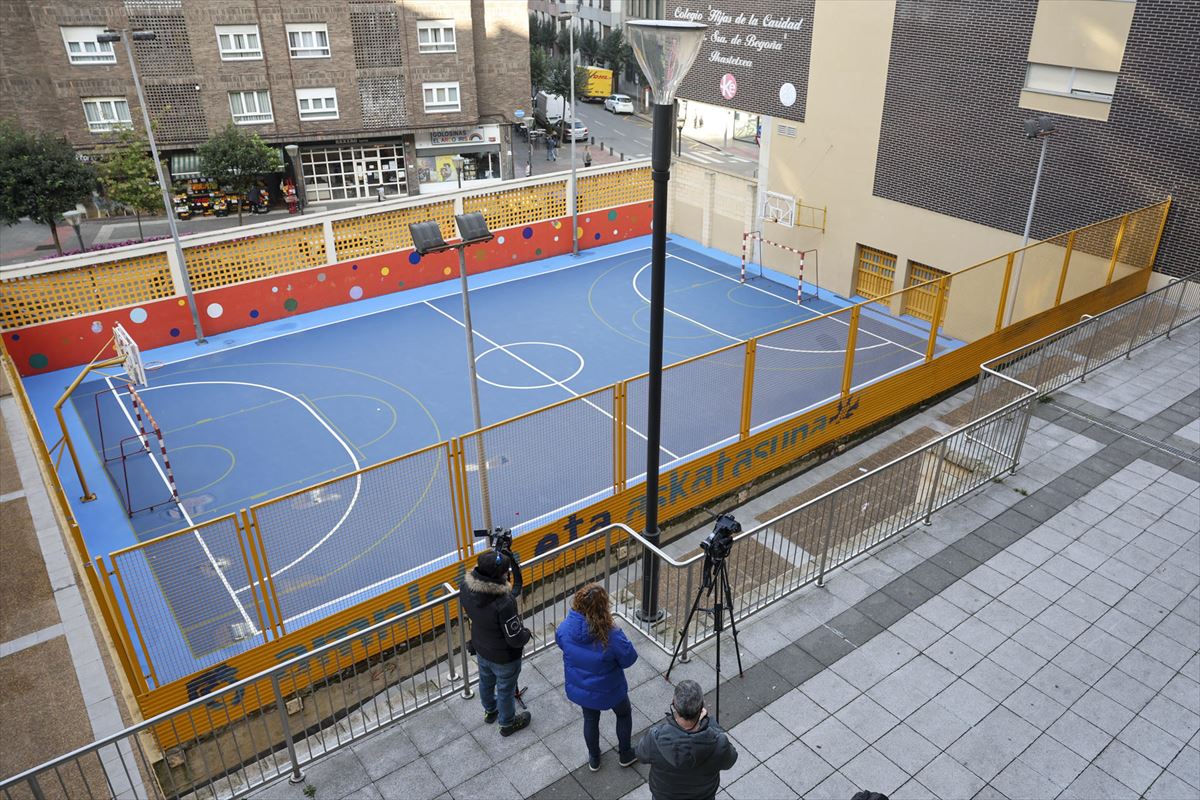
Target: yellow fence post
(269, 580)
(851, 339)
(462, 494)
(1062, 278)
(620, 410)
(112, 619)
(1008, 267)
(1112, 265)
(939, 308)
(1158, 238)
(254, 572)
(748, 387)
(133, 617)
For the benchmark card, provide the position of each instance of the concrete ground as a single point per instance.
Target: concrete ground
(1040, 639)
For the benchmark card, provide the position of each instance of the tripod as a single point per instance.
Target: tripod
(715, 577)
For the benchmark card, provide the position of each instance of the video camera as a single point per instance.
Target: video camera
(499, 539)
(719, 543)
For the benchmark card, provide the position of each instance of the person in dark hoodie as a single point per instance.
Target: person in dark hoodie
(686, 751)
(596, 654)
(497, 636)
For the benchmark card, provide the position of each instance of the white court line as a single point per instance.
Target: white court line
(456, 293)
(554, 381)
(400, 576)
(325, 425)
(883, 340)
(187, 518)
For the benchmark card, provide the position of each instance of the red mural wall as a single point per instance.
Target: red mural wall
(69, 342)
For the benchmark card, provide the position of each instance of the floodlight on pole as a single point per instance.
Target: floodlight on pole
(570, 126)
(293, 151)
(1037, 128)
(665, 50)
(427, 239)
(147, 36)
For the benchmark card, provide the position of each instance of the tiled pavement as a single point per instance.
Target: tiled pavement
(1040, 639)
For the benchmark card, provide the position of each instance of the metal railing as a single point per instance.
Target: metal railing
(272, 724)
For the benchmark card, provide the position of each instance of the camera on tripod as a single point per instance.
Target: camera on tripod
(719, 542)
(499, 539)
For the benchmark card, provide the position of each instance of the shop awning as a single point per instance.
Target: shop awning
(187, 165)
(442, 150)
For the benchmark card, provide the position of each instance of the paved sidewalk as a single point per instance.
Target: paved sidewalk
(1040, 639)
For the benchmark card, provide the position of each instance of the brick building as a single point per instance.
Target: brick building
(378, 94)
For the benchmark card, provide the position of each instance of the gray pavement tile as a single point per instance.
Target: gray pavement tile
(793, 664)
(799, 767)
(1084, 556)
(1079, 735)
(368, 792)
(966, 702)
(565, 788)
(942, 612)
(945, 777)
(338, 774)
(1158, 592)
(917, 631)
(919, 584)
(796, 711)
(896, 695)
(758, 783)
(988, 580)
(385, 752)
(1128, 766)
(834, 742)
(1065, 569)
(914, 790)
(1028, 550)
(998, 534)
(1182, 690)
(978, 635)
(872, 769)
(1054, 760)
(1018, 780)
(1148, 670)
(458, 761)
(1102, 711)
(990, 745)
(835, 787)
(415, 781)
(849, 588)
(611, 782)
(937, 724)
(532, 768)
(1129, 692)
(1016, 522)
(1058, 684)
(993, 680)
(1102, 645)
(954, 655)
(906, 748)
(1186, 765)
(434, 726)
(1004, 618)
(858, 629)
(967, 596)
(1172, 717)
(829, 690)
(867, 718)
(860, 669)
(1151, 741)
(762, 638)
(977, 547)
(488, 786)
(1095, 784)
(1124, 575)
(1062, 622)
(1034, 707)
(824, 645)
(1025, 600)
(549, 713)
(956, 562)
(1170, 787)
(874, 571)
(1083, 604)
(760, 735)
(1017, 659)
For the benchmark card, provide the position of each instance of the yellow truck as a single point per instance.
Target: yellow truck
(599, 84)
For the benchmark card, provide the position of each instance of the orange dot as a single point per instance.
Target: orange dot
(446, 271)
(384, 272)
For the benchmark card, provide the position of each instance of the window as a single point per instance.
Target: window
(251, 108)
(875, 274)
(440, 97)
(922, 302)
(106, 113)
(353, 172)
(310, 40)
(239, 42)
(317, 103)
(82, 47)
(436, 36)
(1088, 84)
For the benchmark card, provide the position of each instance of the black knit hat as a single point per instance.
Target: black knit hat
(492, 564)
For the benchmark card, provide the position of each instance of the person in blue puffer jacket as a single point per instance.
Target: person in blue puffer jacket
(596, 654)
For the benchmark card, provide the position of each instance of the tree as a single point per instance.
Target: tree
(612, 55)
(563, 42)
(128, 176)
(235, 158)
(587, 44)
(539, 67)
(40, 177)
(559, 80)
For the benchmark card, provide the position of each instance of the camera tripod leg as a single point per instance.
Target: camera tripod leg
(687, 623)
(727, 597)
(519, 694)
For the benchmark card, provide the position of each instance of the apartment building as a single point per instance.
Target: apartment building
(377, 94)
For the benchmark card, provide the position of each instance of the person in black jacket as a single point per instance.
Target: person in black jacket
(497, 636)
(686, 751)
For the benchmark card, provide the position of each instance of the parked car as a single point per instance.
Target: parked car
(619, 104)
(570, 129)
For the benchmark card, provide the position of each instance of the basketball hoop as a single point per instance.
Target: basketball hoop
(127, 349)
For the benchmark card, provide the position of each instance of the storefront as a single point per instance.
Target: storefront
(353, 171)
(479, 149)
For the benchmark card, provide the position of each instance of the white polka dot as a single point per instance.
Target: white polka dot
(556, 238)
(614, 231)
(499, 240)
(214, 310)
(355, 292)
(138, 315)
(787, 94)
(275, 289)
(97, 326)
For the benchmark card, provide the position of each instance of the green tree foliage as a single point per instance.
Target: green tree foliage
(587, 44)
(40, 177)
(236, 159)
(559, 80)
(127, 174)
(539, 68)
(541, 34)
(563, 42)
(615, 54)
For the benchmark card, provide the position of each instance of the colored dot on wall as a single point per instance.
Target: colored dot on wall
(596, 237)
(214, 310)
(174, 332)
(355, 292)
(97, 326)
(527, 233)
(499, 240)
(138, 315)
(320, 277)
(291, 304)
(354, 266)
(614, 231)
(16, 337)
(579, 233)
(384, 272)
(446, 271)
(537, 252)
(414, 257)
(612, 215)
(556, 224)
(38, 361)
(274, 289)
(254, 313)
(182, 302)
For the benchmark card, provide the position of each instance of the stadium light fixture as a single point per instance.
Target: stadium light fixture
(427, 239)
(110, 36)
(665, 50)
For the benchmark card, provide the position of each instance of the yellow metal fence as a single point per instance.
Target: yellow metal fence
(302, 551)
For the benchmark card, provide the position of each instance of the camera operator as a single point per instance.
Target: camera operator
(688, 750)
(497, 634)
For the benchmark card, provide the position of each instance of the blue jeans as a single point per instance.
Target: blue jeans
(498, 687)
(591, 728)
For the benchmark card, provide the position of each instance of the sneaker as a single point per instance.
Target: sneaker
(520, 721)
(627, 759)
(594, 763)
(490, 716)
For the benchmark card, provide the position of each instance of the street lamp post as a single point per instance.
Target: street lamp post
(665, 50)
(146, 36)
(293, 151)
(72, 217)
(568, 16)
(458, 166)
(1039, 128)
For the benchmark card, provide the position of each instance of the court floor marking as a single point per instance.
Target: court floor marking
(183, 511)
(571, 265)
(883, 339)
(497, 346)
(325, 425)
